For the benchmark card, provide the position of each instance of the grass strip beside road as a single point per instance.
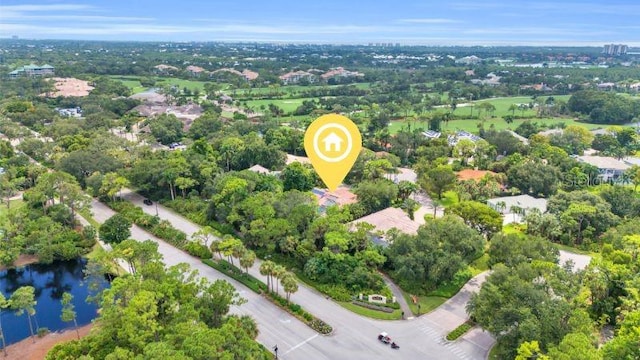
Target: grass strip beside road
(460, 330)
(233, 272)
(261, 288)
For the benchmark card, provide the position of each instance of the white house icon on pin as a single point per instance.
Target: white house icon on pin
(332, 141)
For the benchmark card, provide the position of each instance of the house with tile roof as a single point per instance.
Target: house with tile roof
(33, 70)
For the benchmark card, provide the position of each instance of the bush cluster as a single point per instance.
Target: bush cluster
(377, 307)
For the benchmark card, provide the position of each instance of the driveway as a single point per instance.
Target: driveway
(354, 336)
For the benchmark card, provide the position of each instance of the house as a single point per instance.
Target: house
(164, 69)
(332, 142)
(515, 208)
(606, 86)
(609, 169)
(459, 135)
(632, 160)
(430, 134)
(551, 132)
(195, 70)
(225, 99)
(341, 196)
(260, 169)
(70, 112)
(294, 77)
(248, 75)
(33, 70)
(468, 60)
(470, 174)
(522, 139)
(300, 159)
(385, 220)
(403, 174)
(340, 72)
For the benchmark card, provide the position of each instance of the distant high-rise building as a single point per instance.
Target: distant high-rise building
(615, 49)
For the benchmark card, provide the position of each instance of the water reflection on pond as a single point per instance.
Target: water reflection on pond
(50, 282)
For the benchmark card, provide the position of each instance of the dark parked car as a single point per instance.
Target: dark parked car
(147, 202)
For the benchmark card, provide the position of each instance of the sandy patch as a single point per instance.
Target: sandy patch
(70, 87)
(28, 350)
(22, 261)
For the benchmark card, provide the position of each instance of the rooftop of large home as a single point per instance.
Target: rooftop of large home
(604, 162)
(260, 169)
(459, 135)
(32, 69)
(525, 202)
(471, 174)
(387, 219)
(341, 196)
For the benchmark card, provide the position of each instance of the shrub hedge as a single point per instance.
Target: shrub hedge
(459, 331)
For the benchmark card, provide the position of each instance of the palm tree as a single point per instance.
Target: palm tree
(247, 260)
(289, 284)
(3, 304)
(278, 271)
(23, 300)
(266, 268)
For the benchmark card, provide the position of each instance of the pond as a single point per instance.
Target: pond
(50, 282)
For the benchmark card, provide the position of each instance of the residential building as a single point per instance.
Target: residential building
(385, 220)
(615, 49)
(295, 77)
(195, 70)
(340, 72)
(247, 74)
(341, 196)
(515, 208)
(430, 134)
(469, 60)
(609, 169)
(260, 170)
(33, 70)
(70, 112)
(470, 174)
(164, 69)
(459, 135)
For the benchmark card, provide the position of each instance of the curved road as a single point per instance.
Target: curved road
(354, 337)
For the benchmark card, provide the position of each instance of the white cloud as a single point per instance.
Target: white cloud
(430, 21)
(43, 7)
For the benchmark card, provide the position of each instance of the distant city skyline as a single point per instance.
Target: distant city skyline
(408, 22)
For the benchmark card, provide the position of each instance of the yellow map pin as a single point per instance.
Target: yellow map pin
(333, 143)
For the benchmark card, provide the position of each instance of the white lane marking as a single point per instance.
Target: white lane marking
(302, 343)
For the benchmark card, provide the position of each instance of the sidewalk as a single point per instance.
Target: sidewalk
(404, 306)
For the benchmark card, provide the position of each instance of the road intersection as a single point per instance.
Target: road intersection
(354, 336)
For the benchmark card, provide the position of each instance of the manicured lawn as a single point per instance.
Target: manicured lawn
(427, 303)
(471, 125)
(288, 90)
(380, 315)
(479, 265)
(189, 84)
(288, 105)
(133, 83)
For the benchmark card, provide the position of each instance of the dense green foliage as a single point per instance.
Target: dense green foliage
(139, 316)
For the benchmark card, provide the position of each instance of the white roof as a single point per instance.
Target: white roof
(259, 169)
(522, 201)
(604, 162)
(632, 160)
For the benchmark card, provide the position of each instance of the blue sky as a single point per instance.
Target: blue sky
(450, 22)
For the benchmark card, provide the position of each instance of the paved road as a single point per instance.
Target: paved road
(354, 336)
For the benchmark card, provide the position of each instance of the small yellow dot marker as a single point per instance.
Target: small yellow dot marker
(333, 143)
